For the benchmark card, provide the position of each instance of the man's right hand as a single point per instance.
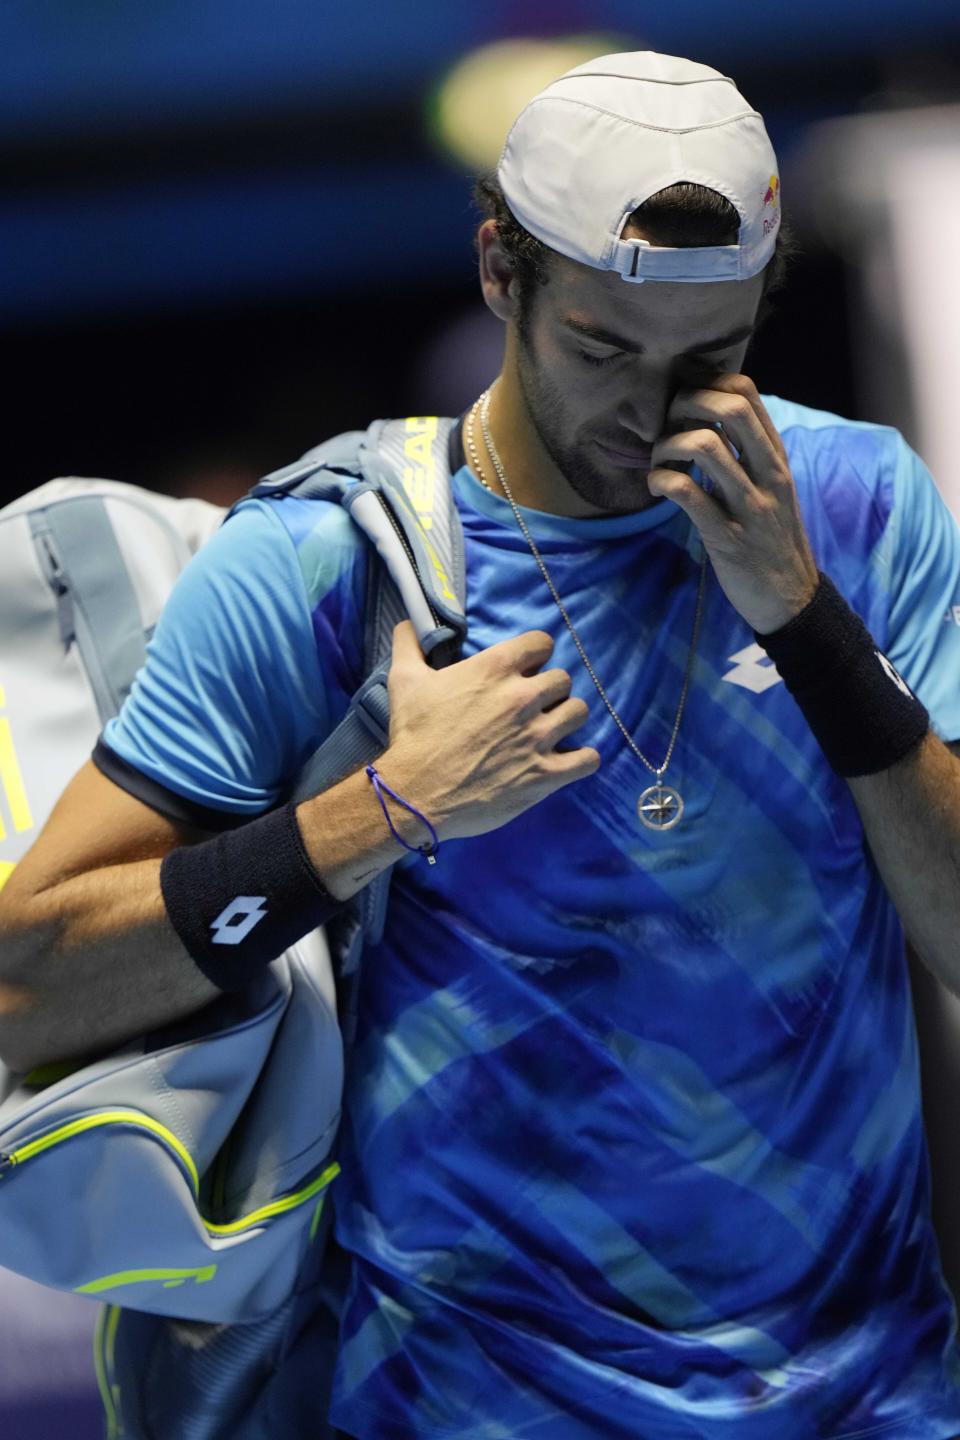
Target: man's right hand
(88, 957)
(474, 745)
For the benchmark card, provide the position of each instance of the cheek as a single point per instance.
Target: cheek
(602, 390)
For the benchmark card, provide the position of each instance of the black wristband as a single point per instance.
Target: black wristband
(861, 711)
(239, 900)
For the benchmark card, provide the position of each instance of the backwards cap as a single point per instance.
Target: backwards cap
(592, 146)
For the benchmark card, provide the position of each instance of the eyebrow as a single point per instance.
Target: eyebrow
(620, 342)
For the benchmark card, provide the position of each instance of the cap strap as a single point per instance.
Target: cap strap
(638, 260)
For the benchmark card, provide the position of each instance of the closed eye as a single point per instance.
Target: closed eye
(589, 359)
(701, 362)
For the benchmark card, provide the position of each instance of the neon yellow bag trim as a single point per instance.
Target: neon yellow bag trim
(277, 1207)
(104, 1339)
(131, 1117)
(107, 1117)
(169, 1279)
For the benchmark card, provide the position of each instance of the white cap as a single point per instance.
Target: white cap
(592, 146)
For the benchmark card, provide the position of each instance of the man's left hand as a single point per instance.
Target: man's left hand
(750, 522)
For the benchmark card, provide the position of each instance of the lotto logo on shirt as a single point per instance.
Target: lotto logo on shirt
(953, 615)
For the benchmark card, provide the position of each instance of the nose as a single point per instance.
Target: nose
(643, 410)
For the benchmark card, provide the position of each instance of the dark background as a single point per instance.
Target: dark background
(228, 230)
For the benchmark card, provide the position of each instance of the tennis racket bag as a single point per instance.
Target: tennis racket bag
(181, 1178)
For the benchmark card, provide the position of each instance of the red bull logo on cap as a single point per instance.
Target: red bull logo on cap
(772, 198)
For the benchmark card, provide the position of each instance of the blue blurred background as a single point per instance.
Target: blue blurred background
(230, 228)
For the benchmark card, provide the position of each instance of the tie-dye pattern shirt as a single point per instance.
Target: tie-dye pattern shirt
(633, 1145)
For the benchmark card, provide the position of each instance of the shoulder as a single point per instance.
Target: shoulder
(854, 474)
(875, 457)
(317, 538)
(820, 438)
(883, 532)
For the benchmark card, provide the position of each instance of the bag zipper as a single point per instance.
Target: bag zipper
(408, 549)
(9, 1159)
(58, 579)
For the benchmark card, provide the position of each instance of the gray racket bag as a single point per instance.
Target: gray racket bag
(184, 1175)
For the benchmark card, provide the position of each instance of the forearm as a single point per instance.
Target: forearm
(89, 963)
(911, 816)
(93, 959)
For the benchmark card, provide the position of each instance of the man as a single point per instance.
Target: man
(633, 1144)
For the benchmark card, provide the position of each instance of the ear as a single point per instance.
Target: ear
(497, 279)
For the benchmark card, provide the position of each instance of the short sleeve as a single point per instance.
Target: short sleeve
(923, 638)
(231, 700)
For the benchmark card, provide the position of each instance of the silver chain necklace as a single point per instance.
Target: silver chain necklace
(659, 806)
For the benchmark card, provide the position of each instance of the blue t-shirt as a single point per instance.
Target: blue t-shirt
(633, 1142)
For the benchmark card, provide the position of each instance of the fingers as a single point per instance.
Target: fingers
(742, 385)
(704, 511)
(527, 653)
(548, 689)
(562, 720)
(733, 402)
(710, 451)
(740, 424)
(406, 646)
(570, 765)
(524, 654)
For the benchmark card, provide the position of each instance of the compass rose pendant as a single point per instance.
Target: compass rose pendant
(660, 807)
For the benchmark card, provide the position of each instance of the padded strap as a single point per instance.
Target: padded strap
(359, 738)
(395, 481)
(82, 559)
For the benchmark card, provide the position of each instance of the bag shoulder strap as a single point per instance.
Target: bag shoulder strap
(394, 480)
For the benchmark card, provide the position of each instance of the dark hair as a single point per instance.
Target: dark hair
(682, 215)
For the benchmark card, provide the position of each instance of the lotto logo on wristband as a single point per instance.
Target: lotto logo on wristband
(235, 922)
(893, 675)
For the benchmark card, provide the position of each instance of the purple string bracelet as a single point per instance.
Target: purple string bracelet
(427, 851)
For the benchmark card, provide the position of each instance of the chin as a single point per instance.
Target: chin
(621, 496)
